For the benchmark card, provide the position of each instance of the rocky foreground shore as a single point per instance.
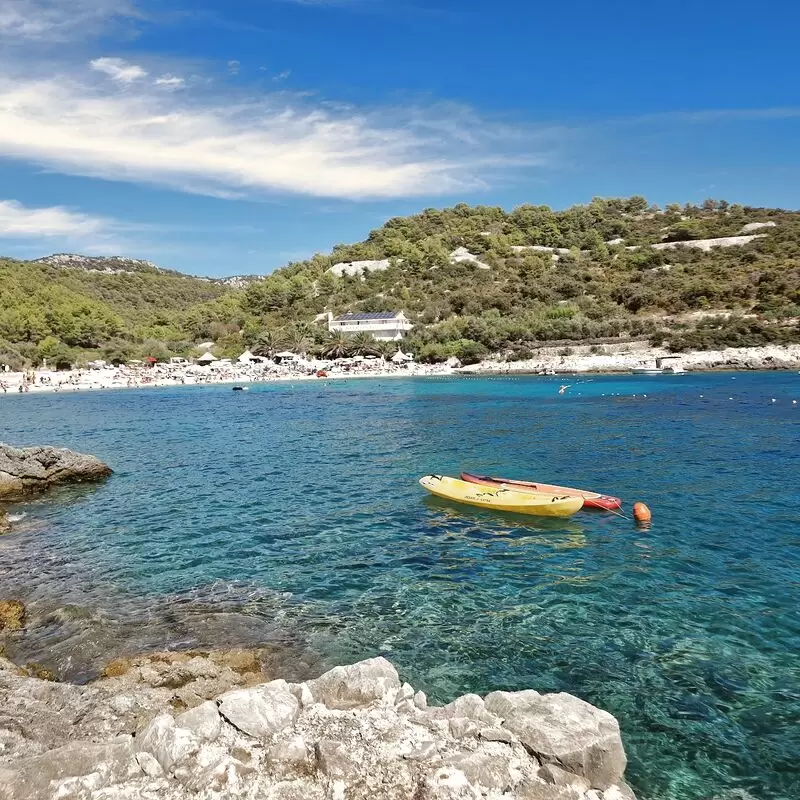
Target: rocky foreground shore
(176, 726)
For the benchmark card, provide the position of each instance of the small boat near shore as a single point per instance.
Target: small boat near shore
(501, 498)
(665, 365)
(590, 499)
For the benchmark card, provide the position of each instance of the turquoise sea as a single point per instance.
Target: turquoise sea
(291, 514)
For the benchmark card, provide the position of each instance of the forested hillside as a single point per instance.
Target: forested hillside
(475, 279)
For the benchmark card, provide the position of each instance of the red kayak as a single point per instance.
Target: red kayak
(590, 499)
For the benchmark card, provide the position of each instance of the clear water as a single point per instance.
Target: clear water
(291, 514)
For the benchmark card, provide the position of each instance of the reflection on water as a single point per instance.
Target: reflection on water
(292, 515)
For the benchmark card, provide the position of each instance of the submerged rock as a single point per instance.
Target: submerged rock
(24, 471)
(353, 733)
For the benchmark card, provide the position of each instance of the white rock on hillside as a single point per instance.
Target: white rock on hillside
(462, 255)
(705, 244)
(359, 267)
(540, 248)
(755, 226)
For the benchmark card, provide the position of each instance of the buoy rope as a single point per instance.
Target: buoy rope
(618, 513)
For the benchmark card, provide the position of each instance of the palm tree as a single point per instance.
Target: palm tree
(268, 344)
(306, 329)
(297, 341)
(386, 349)
(336, 345)
(364, 344)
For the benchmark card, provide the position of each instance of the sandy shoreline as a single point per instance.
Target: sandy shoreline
(603, 359)
(83, 380)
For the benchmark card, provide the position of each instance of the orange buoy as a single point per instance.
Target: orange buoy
(641, 513)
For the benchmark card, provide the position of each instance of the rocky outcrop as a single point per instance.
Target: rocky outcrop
(24, 471)
(355, 733)
(461, 255)
(353, 268)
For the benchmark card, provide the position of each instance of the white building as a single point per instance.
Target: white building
(385, 326)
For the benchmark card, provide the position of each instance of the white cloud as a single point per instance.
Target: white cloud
(170, 82)
(19, 221)
(232, 146)
(282, 76)
(118, 69)
(59, 20)
(233, 67)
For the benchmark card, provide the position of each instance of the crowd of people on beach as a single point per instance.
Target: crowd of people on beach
(222, 371)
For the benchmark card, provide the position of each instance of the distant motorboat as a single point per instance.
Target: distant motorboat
(665, 365)
(239, 388)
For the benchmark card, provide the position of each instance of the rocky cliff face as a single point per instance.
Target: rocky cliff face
(158, 730)
(24, 471)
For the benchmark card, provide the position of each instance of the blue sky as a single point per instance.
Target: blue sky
(231, 137)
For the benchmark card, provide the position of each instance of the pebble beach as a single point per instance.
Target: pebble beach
(613, 358)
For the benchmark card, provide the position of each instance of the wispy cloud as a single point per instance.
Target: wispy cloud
(24, 21)
(118, 69)
(233, 67)
(170, 82)
(19, 221)
(236, 146)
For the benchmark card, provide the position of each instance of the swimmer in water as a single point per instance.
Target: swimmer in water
(564, 388)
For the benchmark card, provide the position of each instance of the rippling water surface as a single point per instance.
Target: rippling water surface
(292, 514)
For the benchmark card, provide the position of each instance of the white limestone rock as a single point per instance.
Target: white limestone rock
(168, 744)
(291, 757)
(487, 770)
(561, 729)
(498, 734)
(462, 727)
(355, 685)
(37, 778)
(504, 704)
(262, 710)
(203, 721)
(149, 764)
(355, 733)
(550, 773)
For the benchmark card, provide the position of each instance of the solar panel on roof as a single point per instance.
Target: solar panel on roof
(366, 316)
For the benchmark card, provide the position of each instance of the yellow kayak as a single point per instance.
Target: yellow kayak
(502, 498)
